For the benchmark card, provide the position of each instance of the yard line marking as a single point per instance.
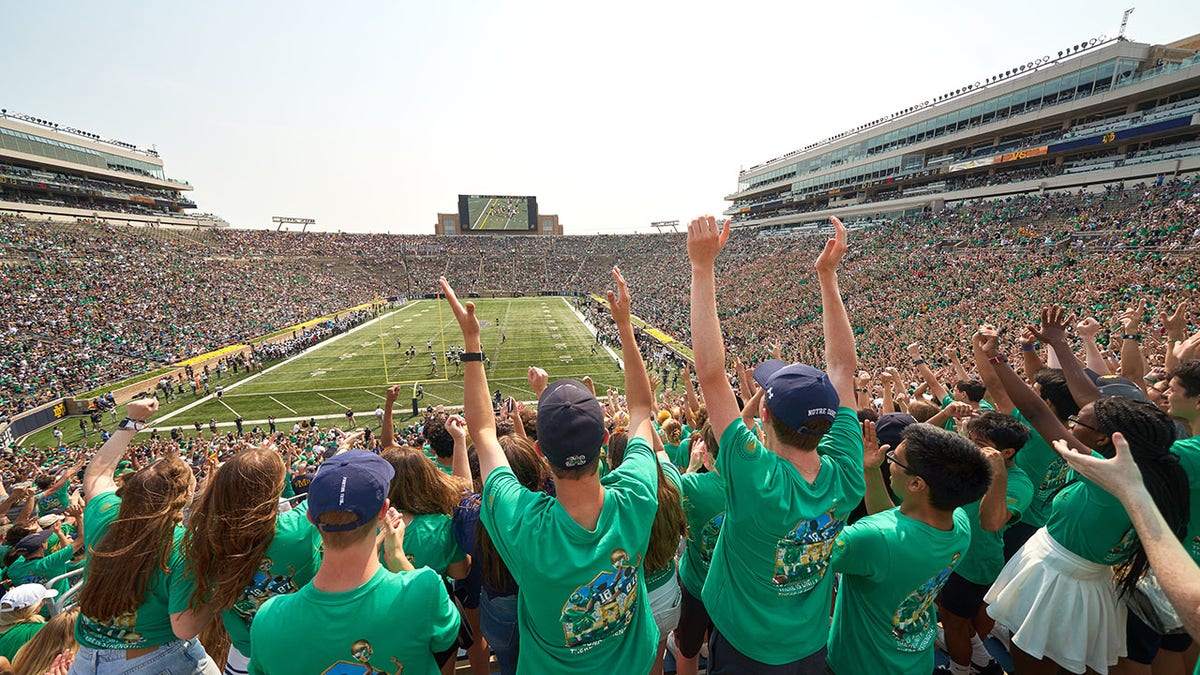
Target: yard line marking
(227, 406)
(374, 394)
(310, 350)
(282, 404)
(332, 401)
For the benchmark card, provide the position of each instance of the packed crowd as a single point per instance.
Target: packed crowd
(1042, 499)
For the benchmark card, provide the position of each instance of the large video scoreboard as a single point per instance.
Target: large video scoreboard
(497, 213)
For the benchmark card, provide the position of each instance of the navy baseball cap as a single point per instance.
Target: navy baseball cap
(356, 481)
(32, 543)
(570, 424)
(890, 426)
(797, 394)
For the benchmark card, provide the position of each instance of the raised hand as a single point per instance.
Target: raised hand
(873, 453)
(1131, 319)
(835, 249)
(994, 458)
(775, 351)
(706, 237)
(1088, 328)
(537, 379)
(618, 303)
(456, 426)
(141, 409)
(1054, 325)
(1176, 323)
(987, 339)
(1118, 475)
(960, 409)
(465, 314)
(393, 393)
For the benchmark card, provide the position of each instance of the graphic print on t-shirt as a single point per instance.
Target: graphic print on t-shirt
(604, 606)
(116, 633)
(802, 557)
(362, 651)
(708, 538)
(1054, 478)
(913, 625)
(1124, 547)
(263, 587)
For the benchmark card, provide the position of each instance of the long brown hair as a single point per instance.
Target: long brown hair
(52, 639)
(531, 471)
(419, 487)
(138, 541)
(231, 525)
(670, 524)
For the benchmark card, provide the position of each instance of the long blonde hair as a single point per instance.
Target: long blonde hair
(57, 636)
(419, 487)
(139, 541)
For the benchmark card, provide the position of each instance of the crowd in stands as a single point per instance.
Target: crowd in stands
(707, 519)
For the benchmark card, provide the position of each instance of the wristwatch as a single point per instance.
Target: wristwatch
(472, 356)
(130, 424)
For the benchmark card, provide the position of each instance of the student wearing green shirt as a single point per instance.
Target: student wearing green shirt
(351, 606)
(1174, 567)
(242, 551)
(20, 616)
(894, 562)
(704, 508)
(55, 495)
(788, 494)
(426, 497)
(960, 602)
(35, 566)
(578, 557)
(1057, 591)
(133, 607)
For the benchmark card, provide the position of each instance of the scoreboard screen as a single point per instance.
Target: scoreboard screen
(497, 213)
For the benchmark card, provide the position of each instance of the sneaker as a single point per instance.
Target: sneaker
(1004, 635)
(992, 668)
(671, 644)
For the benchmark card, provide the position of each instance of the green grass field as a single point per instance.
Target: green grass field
(354, 369)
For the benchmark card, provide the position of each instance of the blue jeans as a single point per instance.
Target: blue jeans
(498, 623)
(181, 657)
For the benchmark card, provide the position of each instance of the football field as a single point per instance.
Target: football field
(353, 370)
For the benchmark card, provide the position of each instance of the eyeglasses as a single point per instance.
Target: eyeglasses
(1074, 420)
(891, 457)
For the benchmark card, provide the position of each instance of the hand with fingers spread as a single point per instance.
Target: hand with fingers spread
(1053, 329)
(1131, 319)
(1176, 323)
(698, 457)
(1119, 475)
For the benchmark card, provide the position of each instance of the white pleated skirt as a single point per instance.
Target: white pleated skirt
(1059, 606)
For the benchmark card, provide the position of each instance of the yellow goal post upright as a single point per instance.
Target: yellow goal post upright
(441, 339)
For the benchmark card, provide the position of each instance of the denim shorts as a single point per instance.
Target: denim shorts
(180, 657)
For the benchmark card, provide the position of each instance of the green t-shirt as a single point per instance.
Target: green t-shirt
(1189, 456)
(55, 500)
(582, 605)
(1046, 470)
(15, 637)
(1091, 523)
(42, 570)
(167, 592)
(288, 490)
(892, 568)
(985, 558)
(289, 563)
(768, 572)
(429, 542)
(704, 507)
(680, 454)
(656, 579)
(356, 632)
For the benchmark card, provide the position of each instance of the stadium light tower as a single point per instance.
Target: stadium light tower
(659, 225)
(1125, 21)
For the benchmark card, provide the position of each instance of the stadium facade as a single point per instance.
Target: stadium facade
(48, 170)
(1100, 112)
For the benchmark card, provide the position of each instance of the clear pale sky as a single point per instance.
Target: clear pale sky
(374, 116)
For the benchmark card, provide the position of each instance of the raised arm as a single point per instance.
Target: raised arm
(639, 396)
(935, 388)
(1133, 361)
(1174, 568)
(99, 475)
(704, 242)
(987, 374)
(477, 402)
(1053, 332)
(387, 435)
(1087, 330)
(959, 371)
(1176, 327)
(993, 508)
(693, 401)
(456, 426)
(876, 498)
(841, 359)
(1032, 407)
